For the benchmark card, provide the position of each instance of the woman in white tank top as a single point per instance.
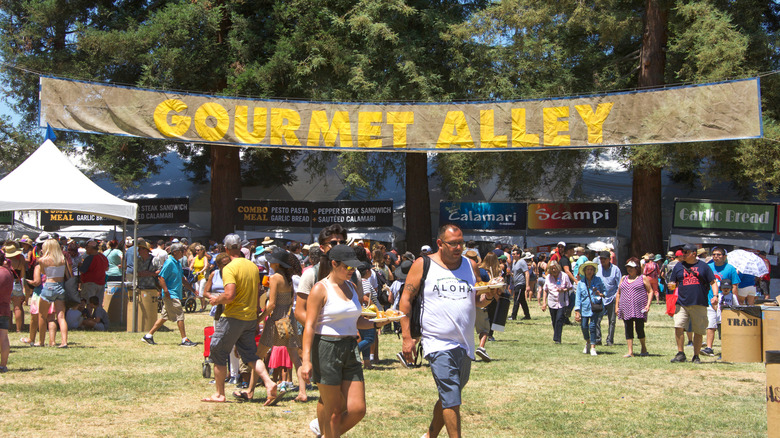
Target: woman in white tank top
(56, 268)
(330, 355)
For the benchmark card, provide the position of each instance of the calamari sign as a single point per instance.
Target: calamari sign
(551, 216)
(720, 111)
(483, 215)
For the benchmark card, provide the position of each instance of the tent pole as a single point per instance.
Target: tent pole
(135, 275)
(123, 294)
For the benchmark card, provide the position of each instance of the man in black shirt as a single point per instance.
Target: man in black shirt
(693, 280)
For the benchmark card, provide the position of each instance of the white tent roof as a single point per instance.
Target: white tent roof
(47, 180)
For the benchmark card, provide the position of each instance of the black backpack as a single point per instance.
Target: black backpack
(381, 293)
(415, 318)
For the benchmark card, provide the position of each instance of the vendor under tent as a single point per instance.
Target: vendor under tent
(47, 180)
(305, 236)
(17, 230)
(710, 238)
(494, 237)
(108, 232)
(551, 239)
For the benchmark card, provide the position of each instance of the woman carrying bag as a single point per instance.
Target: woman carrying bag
(588, 304)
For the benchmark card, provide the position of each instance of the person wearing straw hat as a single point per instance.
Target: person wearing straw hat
(588, 291)
(281, 296)
(18, 267)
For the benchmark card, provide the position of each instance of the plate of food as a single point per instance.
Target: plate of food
(394, 315)
(496, 284)
(481, 285)
(378, 319)
(368, 313)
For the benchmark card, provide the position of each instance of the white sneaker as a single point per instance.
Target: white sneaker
(314, 426)
(593, 352)
(482, 353)
(586, 350)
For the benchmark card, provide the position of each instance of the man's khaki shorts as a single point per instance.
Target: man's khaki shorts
(697, 315)
(749, 291)
(172, 310)
(482, 325)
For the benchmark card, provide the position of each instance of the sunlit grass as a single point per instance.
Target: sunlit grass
(112, 384)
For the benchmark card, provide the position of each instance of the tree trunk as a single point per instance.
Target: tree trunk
(646, 233)
(225, 188)
(225, 163)
(418, 203)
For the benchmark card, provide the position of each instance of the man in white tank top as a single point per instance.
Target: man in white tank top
(449, 314)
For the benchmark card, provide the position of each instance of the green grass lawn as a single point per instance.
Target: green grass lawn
(113, 384)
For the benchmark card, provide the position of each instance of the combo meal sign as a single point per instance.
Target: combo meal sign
(255, 212)
(150, 211)
(533, 216)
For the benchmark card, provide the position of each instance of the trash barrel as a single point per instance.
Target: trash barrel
(741, 334)
(770, 321)
(113, 301)
(773, 393)
(503, 303)
(147, 310)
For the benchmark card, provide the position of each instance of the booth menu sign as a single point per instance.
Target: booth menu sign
(483, 215)
(150, 211)
(350, 214)
(724, 216)
(6, 217)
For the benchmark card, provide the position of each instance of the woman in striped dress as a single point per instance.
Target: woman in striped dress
(632, 303)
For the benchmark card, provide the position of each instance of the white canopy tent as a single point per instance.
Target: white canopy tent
(47, 180)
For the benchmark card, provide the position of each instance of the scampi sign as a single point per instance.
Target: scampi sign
(717, 215)
(254, 212)
(721, 111)
(547, 216)
(150, 211)
(483, 215)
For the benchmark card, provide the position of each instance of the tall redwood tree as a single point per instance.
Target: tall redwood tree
(646, 232)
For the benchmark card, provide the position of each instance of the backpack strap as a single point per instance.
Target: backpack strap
(426, 268)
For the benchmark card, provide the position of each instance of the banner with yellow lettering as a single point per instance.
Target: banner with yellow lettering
(721, 111)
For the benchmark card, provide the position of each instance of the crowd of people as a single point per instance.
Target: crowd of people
(286, 307)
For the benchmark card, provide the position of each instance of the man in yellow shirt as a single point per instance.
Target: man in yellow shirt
(238, 323)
